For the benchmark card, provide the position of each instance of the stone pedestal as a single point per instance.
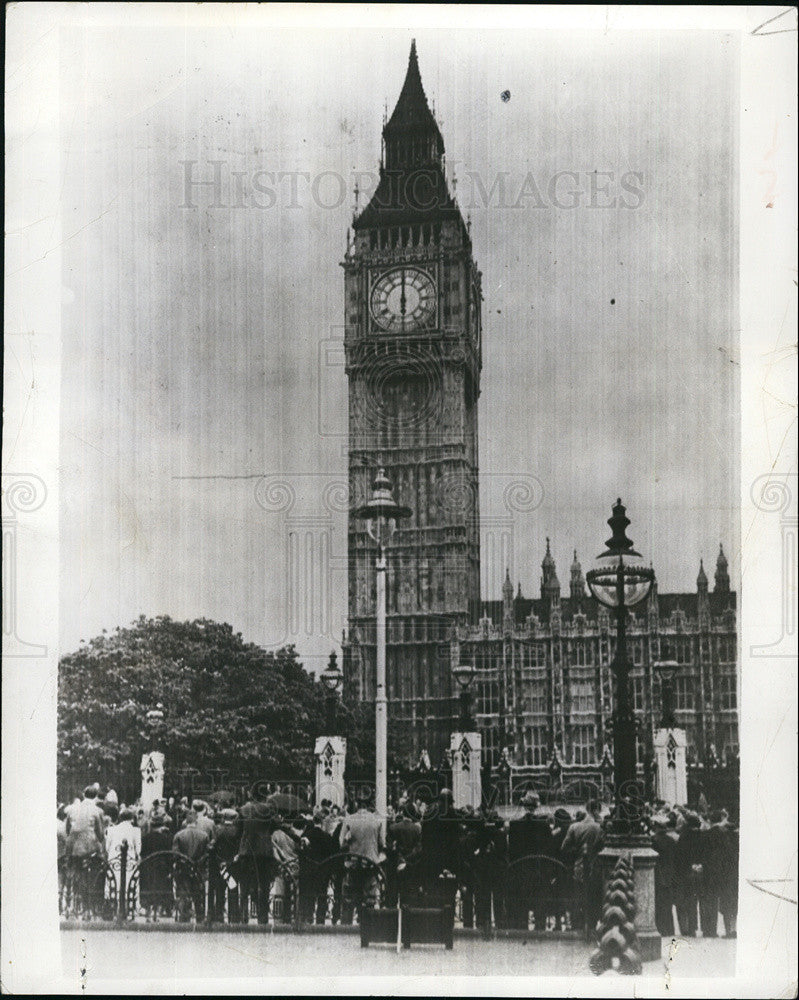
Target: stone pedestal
(467, 787)
(643, 859)
(671, 775)
(152, 777)
(331, 755)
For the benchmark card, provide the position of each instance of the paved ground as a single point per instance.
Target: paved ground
(175, 957)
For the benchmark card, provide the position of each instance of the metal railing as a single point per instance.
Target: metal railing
(532, 894)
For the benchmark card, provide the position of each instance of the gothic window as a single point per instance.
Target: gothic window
(490, 741)
(726, 685)
(535, 748)
(729, 741)
(487, 700)
(684, 693)
(537, 699)
(583, 750)
(538, 654)
(726, 649)
(637, 689)
(682, 650)
(582, 698)
(580, 654)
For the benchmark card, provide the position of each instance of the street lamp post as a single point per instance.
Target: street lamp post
(331, 677)
(619, 584)
(464, 675)
(465, 749)
(381, 514)
(670, 742)
(666, 669)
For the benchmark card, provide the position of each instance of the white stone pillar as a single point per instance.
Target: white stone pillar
(331, 755)
(672, 780)
(152, 777)
(467, 787)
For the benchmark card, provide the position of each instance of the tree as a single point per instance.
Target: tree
(228, 705)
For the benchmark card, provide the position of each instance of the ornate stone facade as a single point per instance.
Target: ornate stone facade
(543, 681)
(413, 360)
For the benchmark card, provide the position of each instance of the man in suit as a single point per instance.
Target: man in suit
(204, 821)
(192, 843)
(223, 870)
(362, 836)
(85, 850)
(529, 836)
(581, 845)
(405, 847)
(155, 875)
(316, 847)
(664, 841)
(716, 843)
(256, 863)
(688, 874)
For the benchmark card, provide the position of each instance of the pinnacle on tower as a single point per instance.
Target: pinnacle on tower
(722, 575)
(701, 580)
(550, 585)
(576, 581)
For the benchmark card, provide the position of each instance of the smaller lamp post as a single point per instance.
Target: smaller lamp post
(156, 715)
(666, 670)
(381, 514)
(332, 679)
(464, 675)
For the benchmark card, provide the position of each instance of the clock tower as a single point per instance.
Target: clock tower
(413, 359)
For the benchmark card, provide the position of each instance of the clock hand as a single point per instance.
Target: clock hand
(402, 300)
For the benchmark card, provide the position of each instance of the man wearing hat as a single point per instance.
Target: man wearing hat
(363, 838)
(155, 872)
(204, 821)
(223, 870)
(441, 847)
(257, 867)
(664, 841)
(528, 836)
(563, 884)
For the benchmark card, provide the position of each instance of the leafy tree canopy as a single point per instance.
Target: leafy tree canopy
(228, 706)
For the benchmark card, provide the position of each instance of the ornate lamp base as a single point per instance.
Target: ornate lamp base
(643, 858)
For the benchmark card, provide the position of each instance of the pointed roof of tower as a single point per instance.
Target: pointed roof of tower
(701, 580)
(507, 586)
(722, 576)
(412, 109)
(577, 569)
(412, 187)
(548, 560)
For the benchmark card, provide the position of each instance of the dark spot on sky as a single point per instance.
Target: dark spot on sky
(613, 302)
(505, 96)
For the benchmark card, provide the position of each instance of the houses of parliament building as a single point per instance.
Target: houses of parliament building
(542, 690)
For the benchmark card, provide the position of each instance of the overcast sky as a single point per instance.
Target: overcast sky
(202, 323)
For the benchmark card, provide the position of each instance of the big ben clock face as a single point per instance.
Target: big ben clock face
(403, 299)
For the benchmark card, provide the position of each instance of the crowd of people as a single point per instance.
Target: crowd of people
(323, 863)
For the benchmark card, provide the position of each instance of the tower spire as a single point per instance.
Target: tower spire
(722, 576)
(576, 581)
(550, 585)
